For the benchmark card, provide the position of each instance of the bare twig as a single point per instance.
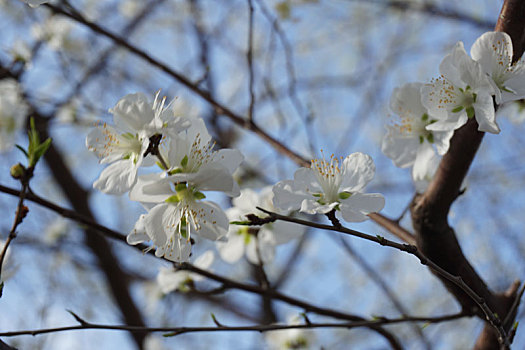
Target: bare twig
(413, 250)
(174, 331)
(249, 58)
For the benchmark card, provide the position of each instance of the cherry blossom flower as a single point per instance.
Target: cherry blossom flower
(178, 212)
(461, 92)
(13, 112)
(407, 141)
(171, 280)
(493, 51)
(136, 120)
(252, 241)
(327, 185)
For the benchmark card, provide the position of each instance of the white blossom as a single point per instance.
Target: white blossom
(254, 241)
(13, 112)
(408, 142)
(171, 280)
(493, 51)
(327, 185)
(124, 145)
(291, 339)
(461, 92)
(57, 32)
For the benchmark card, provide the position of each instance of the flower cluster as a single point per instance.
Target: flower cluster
(147, 133)
(468, 87)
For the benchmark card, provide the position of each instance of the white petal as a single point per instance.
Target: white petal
(486, 115)
(284, 232)
(493, 50)
(407, 100)
(151, 188)
(402, 150)
(117, 178)
(287, 197)
(212, 220)
(232, 250)
(355, 208)
(306, 181)
(169, 280)
(442, 140)
(138, 234)
(311, 206)
(210, 177)
(155, 227)
(265, 243)
(133, 112)
(97, 141)
(359, 170)
(424, 159)
(229, 158)
(453, 65)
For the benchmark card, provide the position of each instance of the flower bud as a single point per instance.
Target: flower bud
(17, 171)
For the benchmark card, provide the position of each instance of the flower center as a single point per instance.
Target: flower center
(191, 216)
(329, 176)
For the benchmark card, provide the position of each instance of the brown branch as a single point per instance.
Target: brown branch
(226, 282)
(393, 227)
(435, 238)
(219, 108)
(477, 303)
(249, 58)
(174, 331)
(430, 9)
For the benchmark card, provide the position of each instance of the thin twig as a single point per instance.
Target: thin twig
(174, 331)
(21, 212)
(219, 108)
(413, 250)
(249, 57)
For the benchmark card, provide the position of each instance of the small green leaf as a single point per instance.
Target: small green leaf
(317, 195)
(23, 150)
(421, 139)
(474, 97)
(171, 334)
(424, 117)
(430, 138)
(42, 148)
(457, 109)
(470, 112)
(184, 161)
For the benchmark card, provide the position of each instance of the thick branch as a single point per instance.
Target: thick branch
(435, 238)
